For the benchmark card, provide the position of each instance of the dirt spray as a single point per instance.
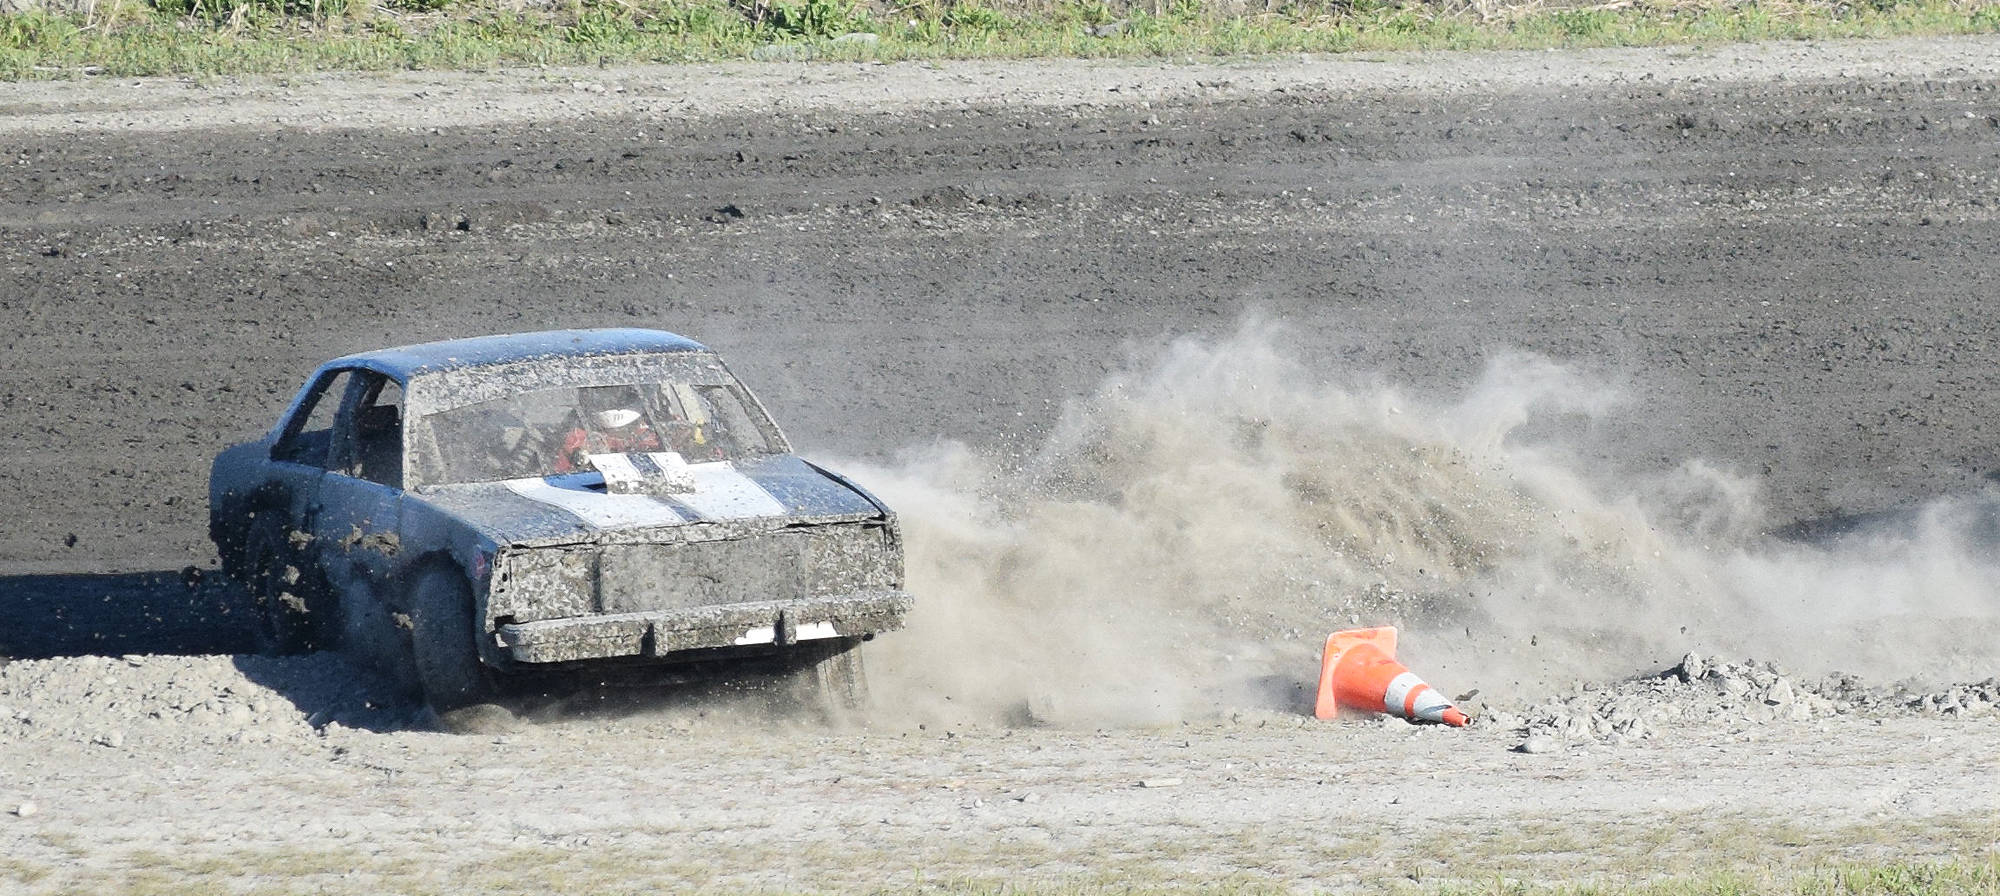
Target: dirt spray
(1189, 533)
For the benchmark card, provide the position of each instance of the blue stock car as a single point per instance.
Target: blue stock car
(462, 511)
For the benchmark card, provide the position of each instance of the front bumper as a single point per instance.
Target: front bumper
(660, 633)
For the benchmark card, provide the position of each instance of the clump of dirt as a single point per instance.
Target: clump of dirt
(1703, 692)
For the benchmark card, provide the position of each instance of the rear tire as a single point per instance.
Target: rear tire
(444, 649)
(282, 603)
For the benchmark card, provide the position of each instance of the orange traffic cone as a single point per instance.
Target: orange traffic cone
(1359, 671)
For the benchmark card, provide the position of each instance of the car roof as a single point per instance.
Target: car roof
(404, 362)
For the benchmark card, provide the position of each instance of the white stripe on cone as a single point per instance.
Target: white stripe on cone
(1399, 689)
(1430, 705)
(1409, 697)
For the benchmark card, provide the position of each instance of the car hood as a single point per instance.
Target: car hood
(759, 494)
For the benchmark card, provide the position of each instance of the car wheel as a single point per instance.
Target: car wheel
(278, 591)
(443, 646)
(831, 680)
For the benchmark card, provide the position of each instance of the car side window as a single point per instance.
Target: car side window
(309, 437)
(377, 432)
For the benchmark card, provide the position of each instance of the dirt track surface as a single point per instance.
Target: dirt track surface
(1788, 261)
(1782, 255)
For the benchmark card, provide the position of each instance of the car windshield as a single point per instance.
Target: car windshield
(552, 431)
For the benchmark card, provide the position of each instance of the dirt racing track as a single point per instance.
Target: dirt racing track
(1649, 393)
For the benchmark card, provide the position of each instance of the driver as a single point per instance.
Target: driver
(610, 420)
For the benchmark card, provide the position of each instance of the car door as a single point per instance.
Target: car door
(299, 458)
(356, 514)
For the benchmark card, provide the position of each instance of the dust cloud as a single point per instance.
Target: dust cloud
(1187, 536)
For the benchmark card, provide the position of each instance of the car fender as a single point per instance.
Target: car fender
(236, 491)
(854, 487)
(433, 538)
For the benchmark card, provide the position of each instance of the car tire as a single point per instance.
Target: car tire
(831, 680)
(444, 652)
(282, 602)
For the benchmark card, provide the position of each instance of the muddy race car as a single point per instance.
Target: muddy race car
(469, 510)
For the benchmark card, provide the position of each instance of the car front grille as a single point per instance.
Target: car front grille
(795, 563)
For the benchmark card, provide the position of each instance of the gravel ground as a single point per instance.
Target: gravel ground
(1597, 372)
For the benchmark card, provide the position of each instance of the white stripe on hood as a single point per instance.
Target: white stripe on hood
(721, 492)
(597, 508)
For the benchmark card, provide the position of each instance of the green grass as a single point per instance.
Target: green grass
(223, 37)
(1897, 879)
(1558, 855)
(562, 872)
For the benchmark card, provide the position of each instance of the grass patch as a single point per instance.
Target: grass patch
(1744, 855)
(587, 874)
(1524, 856)
(1895, 879)
(74, 38)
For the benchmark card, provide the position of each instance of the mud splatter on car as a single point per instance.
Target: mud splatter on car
(473, 508)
